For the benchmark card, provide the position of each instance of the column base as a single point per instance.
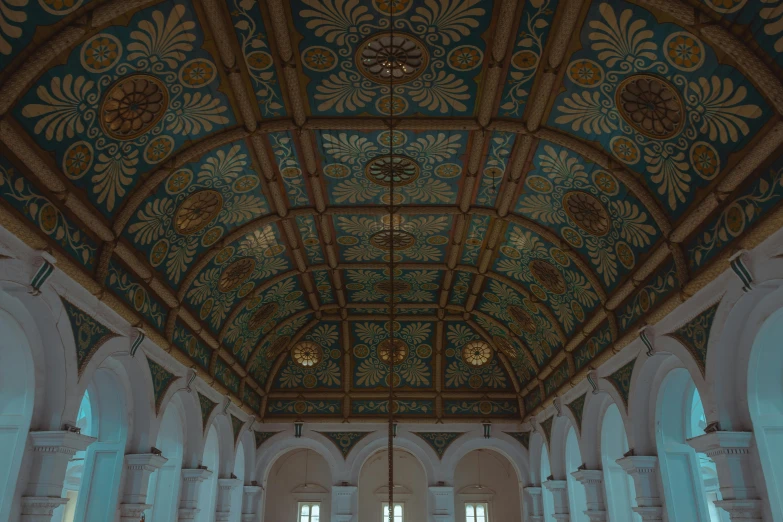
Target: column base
(562, 517)
(222, 516)
(132, 512)
(40, 509)
(746, 510)
(187, 513)
(650, 513)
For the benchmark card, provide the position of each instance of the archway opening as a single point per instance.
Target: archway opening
(765, 401)
(577, 499)
(547, 497)
(486, 483)
(165, 483)
(298, 487)
(689, 478)
(17, 390)
(211, 459)
(410, 486)
(620, 496)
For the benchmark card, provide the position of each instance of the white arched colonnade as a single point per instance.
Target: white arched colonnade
(729, 472)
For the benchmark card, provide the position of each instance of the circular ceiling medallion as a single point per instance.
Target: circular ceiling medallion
(386, 239)
(386, 287)
(548, 276)
(651, 105)
(383, 169)
(476, 353)
(505, 347)
(522, 318)
(277, 346)
(587, 212)
(262, 316)
(132, 106)
(399, 351)
(307, 354)
(197, 211)
(386, 58)
(236, 273)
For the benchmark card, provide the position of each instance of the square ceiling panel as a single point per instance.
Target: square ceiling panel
(409, 286)
(425, 167)
(437, 48)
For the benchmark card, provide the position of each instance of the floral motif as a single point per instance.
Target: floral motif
(125, 285)
(586, 73)
(592, 347)
(470, 362)
(100, 52)
(373, 286)
(314, 362)
(651, 106)
(197, 73)
(162, 379)
(695, 335)
(344, 440)
(302, 407)
(419, 238)
(481, 408)
(389, 57)
(465, 58)
(88, 334)
(684, 51)
(621, 380)
(411, 369)
(190, 345)
(319, 58)
(438, 441)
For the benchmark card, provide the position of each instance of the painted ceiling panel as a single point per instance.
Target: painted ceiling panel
(593, 211)
(343, 68)
(109, 125)
(414, 238)
(426, 166)
(234, 272)
(196, 206)
(412, 350)
(26, 19)
(229, 181)
(657, 99)
(548, 274)
(409, 286)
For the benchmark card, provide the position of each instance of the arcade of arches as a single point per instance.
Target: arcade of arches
(229, 227)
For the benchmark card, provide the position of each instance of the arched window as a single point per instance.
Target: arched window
(620, 497)
(548, 498)
(236, 493)
(689, 479)
(576, 491)
(17, 388)
(165, 482)
(765, 400)
(208, 494)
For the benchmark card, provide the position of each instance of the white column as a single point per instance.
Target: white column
(344, 503)
(593, 481)
(535, 503)
(51, 452)
(731, 451)
(250, 503)
(223, 504)
(188, 496)
(441, 503)
(138, 469)
(559, 489)
(644, 471)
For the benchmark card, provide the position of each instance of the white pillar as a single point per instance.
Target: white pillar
(593, 481)
(188, 496)
(644, 471)
(51, 452)
(731, 451)
(223, 504)
(138, 469)
(441, 503)
(250, 503)
(535, 503)
(345, 504)
(559, 489)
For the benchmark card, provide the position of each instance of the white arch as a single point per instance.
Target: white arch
(17, 400)
(577, 498)
(165, 483)
(536, 455)
(512, 450)
(378, 441)
(620, 493)
(282, 443)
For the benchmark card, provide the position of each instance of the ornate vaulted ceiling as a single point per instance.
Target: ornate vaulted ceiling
(219, 173)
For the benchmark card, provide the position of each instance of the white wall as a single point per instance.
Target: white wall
(373, 486)
(286, 485)
(498, 480)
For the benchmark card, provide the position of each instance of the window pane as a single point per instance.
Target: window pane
(305, 509)
(480, 510)
(314, 518)
(397, 510)
(316, 510)
(386, 511)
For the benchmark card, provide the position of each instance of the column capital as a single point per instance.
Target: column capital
(644, 471)
(50, 453)
(639, 464)
(252, 490)
(144, 461)
(40, 509)
(593, 481)
(65, 442)
(719, 443)
(229, 483)
(132, 512)
(196, 475)
(442, 505)
(532, 490)
(555, 485)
